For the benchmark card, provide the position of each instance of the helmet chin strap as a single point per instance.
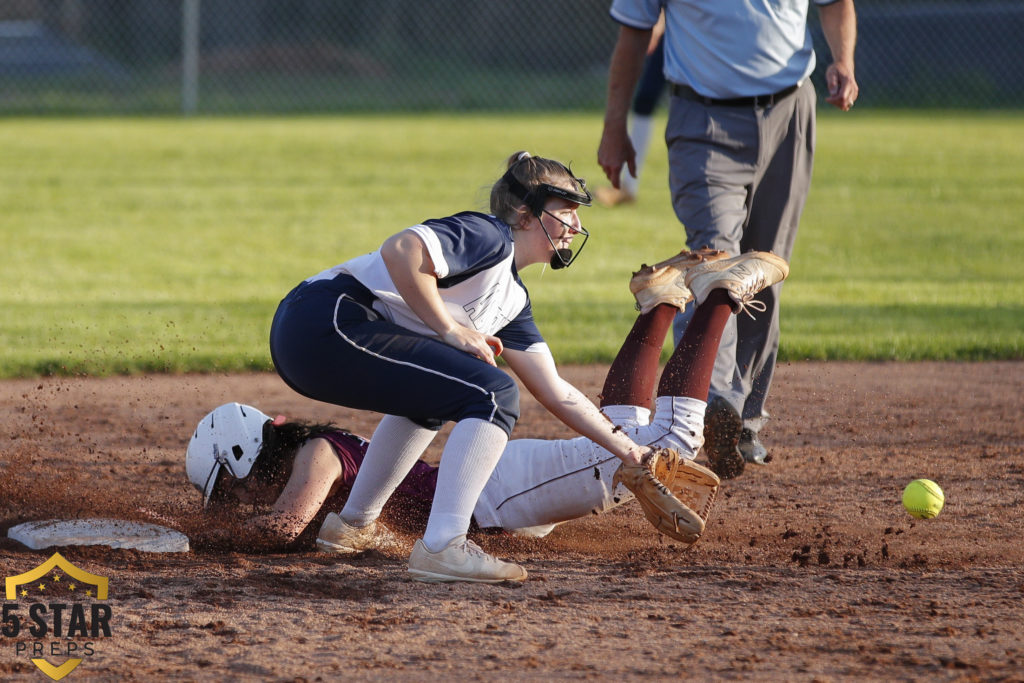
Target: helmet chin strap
(535, 200)
(563, 258)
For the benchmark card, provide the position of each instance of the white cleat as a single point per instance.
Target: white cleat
(341, 538)
(742, 276)
(461, 560)
(663, 283)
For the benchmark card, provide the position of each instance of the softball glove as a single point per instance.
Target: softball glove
(658, 495)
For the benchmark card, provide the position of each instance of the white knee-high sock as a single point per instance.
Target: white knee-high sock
(472, 451)
(396, 445)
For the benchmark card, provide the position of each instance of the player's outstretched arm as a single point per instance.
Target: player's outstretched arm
(538, 373)
(314, 472)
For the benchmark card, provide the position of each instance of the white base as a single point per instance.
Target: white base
(116, 533)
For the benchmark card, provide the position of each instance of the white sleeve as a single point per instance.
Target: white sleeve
(434, 250)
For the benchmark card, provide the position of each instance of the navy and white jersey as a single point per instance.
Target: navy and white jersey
(474, 261)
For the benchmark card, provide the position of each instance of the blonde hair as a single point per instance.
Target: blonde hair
(530, 171)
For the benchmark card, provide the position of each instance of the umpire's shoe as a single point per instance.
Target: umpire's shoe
(663, 283)
(742, 276)
(752, 449)
(610, 196)
(461, 560)
(341, 538)
(722, 429)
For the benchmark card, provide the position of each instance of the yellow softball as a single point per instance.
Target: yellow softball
(923, 498)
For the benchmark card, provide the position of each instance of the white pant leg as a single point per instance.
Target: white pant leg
(540, 482)
(678, 424)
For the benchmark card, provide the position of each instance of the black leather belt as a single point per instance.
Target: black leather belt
(688, 93)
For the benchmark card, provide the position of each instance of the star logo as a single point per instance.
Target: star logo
(70, 622)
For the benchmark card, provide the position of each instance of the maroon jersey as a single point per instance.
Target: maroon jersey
(417, 487)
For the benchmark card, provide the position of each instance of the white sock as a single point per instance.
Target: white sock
(640, 129)
(469, 457)
(397, 444)
(682, 417)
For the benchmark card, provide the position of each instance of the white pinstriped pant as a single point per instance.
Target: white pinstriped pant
(541, 482)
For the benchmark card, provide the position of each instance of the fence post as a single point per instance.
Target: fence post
(189, 56)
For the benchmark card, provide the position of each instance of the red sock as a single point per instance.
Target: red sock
(688, 372)
(630, 379)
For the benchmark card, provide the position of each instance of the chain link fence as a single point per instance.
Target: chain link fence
(310, 56)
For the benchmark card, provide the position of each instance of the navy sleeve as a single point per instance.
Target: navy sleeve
(521, 333)
(471, 242)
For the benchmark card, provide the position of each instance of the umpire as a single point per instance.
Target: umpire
(740, 136)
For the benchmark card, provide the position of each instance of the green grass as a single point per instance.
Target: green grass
(133, 245)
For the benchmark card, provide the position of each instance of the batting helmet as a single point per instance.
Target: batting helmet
(230, 436)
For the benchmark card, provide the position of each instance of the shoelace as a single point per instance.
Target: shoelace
(472, 548)
(747, 301)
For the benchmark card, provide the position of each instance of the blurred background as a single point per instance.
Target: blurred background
(330, 56)
(170, 168)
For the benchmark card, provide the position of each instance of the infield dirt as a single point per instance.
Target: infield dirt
(810, 568)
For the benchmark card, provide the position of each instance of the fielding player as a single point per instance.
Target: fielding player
(408, 330)
(298, 471)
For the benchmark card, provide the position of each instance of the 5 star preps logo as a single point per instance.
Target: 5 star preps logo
(58, 615)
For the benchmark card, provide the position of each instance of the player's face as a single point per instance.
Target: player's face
(561, 221)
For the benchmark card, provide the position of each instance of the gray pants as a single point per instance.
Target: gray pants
(739, 178)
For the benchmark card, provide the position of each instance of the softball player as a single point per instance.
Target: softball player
(239, 454)
(411, 331)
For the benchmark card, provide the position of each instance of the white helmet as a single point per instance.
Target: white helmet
(229, 436)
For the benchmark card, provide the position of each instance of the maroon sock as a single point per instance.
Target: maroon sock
(630, 379)
(688, 372)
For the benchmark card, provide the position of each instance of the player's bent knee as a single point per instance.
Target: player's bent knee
(498, 403)
(506, 399)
